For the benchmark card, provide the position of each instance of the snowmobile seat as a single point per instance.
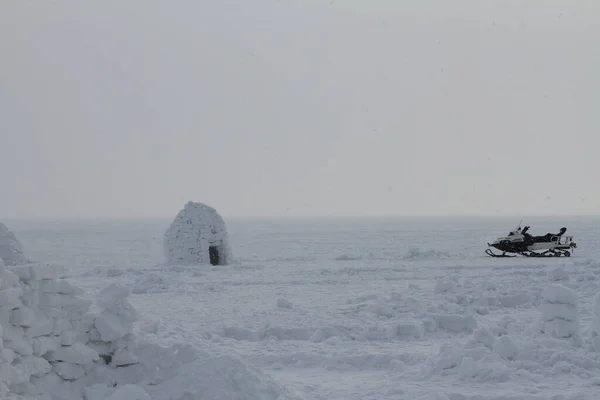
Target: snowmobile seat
(544, 238)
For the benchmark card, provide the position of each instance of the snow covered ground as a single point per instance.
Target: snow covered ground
(350, 308)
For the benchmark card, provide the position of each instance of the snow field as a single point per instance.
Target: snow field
(491, 329)
(338, 313)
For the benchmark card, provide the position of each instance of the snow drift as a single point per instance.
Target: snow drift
(198, 235)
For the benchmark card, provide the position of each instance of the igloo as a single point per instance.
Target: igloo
(198, 235)
(11, 250)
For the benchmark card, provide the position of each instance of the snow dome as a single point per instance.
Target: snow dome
(198, 235)
(11, 250)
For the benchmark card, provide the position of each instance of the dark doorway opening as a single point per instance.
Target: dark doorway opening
(213, 253)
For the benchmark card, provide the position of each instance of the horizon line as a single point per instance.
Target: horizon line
(282, 216)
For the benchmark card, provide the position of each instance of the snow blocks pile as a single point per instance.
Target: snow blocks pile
(48, 335)
(109, 332)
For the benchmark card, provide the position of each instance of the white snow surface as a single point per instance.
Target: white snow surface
(195, 228)
(314, 309)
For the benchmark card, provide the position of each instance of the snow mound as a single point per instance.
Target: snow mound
(11, 250)
(185, 372)
(560, 311)
(198, 235)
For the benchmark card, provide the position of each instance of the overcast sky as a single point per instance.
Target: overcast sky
(263, 107)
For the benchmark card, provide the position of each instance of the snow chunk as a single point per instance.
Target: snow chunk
(555, 293)
(117, 317)
(485, 370)
(412, 304)
(59, 286)
(129, 392)
(444, 286)
(23, 316)
(78, 353)
(113, 295)
(283, 303)
(11, 250)
(68, 371)
(10, 296)
(151, 283)
(36, 272)
(558, 274)
(185, 372)
(196, 229)
(560, 311)
(112, 327)
(485, 337)
(455, 323)
(506, 348)
(43, 344)
(36, 366)
(410, 330)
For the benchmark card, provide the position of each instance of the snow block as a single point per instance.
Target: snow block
(455, 323)
(11, 250)
(23, 316)
(112, 327)
(129, 392)
(560, 311)
(10, 297)
(112, 296)
(78, 353)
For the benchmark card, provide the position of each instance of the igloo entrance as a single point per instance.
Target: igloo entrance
(213, 252)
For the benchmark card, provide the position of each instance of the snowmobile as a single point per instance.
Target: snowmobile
(520, 242)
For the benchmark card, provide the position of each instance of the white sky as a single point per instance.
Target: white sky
(263, 107)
